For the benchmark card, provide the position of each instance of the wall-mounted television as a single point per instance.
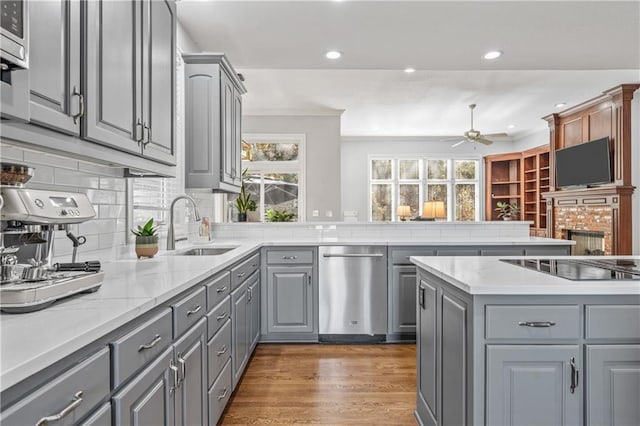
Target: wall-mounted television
(584, 164)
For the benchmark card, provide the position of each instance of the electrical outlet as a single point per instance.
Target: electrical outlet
(329, 213)
(315, 213)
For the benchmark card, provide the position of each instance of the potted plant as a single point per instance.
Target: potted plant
(279, 215)
(244, 203)
(507, 211)
(252, 212)
(146, 239)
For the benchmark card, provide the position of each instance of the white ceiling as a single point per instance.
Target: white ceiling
(554, 52)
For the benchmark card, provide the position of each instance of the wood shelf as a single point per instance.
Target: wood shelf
(505, 197)
(512, 182)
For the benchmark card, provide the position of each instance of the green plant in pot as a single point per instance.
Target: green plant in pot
(507, 211)
(279, 216)
(146, 239)
(244, 203)
(252, 212)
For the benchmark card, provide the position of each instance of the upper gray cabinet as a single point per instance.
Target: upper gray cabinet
(213, 120)
(130, 73)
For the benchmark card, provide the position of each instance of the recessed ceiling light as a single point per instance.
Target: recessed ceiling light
(511, 126)
(409, 70)
(494, 54)
(560, 104)
(333, 54)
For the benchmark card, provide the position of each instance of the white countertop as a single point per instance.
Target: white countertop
(489, 276)
(30, 342)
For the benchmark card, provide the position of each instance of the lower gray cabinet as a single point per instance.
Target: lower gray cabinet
(254, 312)
(428, 353)
(149, 398)
(101, 417)
(239, 332)
(290, 299)
(191, 360)
(533, 385)
(613, 385)
(219, 394)
(403, 297)
(453, 363)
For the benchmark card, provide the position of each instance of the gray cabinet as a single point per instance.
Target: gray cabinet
(191, 392)
(213, 117)
(403, 299)
(239, 332)
(254, 312)
(428, 354)
(101, 417)
(613, 384)
(149, 398)
(531, 384)
(454, 363)
(290, 299)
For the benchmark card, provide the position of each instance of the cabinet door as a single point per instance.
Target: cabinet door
(531, 385)
(454, 361)
(158, 79)
(254, 310)
(428, 395)
(113, 84)
(56, 99)
(613, 384)
(14, 95)
(227, 101)
(239, 332)
(289, 299)
(237, 138)
(149, 398)
(101, 417)
(403, 299)
(190, 356)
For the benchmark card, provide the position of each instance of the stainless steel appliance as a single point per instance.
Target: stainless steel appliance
(29, 219)
(597, 269)
(353, 293)
(14, 34)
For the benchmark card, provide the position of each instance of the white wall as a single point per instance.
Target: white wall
(184, 41)
(322, 157)
(355, 154)
(532, 140)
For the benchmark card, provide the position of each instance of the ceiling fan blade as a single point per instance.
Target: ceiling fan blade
(484, 141)
(496, 135)
(459, 143)
(455, 138)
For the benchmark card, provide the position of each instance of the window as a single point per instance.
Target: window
(412, 181)
(275, 172)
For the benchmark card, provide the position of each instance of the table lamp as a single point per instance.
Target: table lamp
(432, 210)
(404, 212)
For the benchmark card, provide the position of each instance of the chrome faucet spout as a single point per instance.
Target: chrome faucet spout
(171, 239)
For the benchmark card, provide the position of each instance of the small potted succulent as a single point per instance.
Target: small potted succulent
(244, 203)
(507, 211)
(252, 212)
(146, 240)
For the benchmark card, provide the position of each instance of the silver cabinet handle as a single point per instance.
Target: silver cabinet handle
(151, 344)
(222, 316)
(353, 255)
(141, 134)
(80, 105)
(75, 403)
(421, 299)
(575, 375)
(222, 350)
(536, 324)
(241, 274)
(183, 370)
(309, 279)
(289, 257)
(249, 295)
(223, 395)
(176, 378)
(195, 310)
(147, 139)
(220, 290)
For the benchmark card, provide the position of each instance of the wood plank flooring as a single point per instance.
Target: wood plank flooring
(298, 384)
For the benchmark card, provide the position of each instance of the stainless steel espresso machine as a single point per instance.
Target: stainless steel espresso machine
(29, 218)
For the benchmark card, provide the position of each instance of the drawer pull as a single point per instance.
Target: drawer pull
(575, 373)
(289, 257)
(183, 369)
(176, 377)
(151, 344)
(536, 324)
(223, 350)
(222, 316)
(241, 274)
(195, 310)
(223, 395)
(220, 290)
(75, 403)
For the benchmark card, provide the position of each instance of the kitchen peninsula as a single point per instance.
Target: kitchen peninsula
(504, 343)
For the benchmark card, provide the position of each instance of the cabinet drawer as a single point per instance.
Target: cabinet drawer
(135, 349)
(88, 382)
(612, 321)
(401, 256)
(218, 289)
(101, 417)
(219, 394)
(188, 311)
(285, 257)
(219, 351)
(533, 322)
(242, 271)
(218, 316)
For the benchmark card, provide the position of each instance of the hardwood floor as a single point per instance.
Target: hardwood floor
(326, 384)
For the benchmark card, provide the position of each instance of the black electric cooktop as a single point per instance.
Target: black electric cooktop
(584, 269)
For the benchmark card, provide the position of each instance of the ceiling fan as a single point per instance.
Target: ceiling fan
(473, 135)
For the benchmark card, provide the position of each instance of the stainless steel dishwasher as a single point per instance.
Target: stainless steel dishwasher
(353, 293)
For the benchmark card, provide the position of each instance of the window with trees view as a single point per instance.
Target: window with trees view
(275, 174)
(410, 182)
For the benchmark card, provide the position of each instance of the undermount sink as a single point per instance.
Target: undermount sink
(205, 251)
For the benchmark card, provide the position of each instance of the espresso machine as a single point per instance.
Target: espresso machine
(28, 220)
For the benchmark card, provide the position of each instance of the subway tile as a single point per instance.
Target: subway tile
(100, 170)
(111, 211)
(100, 226)
(8, 152)
(115, 184)
(100, 196)
(75, 178)
(43, 174)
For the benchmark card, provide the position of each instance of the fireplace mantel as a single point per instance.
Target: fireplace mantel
(608, 195)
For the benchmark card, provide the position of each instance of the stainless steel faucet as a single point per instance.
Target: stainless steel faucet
(171, 240)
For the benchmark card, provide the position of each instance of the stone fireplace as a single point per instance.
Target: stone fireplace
(582, 222)
(590, 243)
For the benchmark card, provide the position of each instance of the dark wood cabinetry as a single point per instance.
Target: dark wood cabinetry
(504, 183)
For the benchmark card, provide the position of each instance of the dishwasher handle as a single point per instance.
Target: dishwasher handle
(353, 255)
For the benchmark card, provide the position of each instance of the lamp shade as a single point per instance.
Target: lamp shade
(433, 210)
(404, 211)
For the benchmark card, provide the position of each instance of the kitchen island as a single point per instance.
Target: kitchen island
(501, 344)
